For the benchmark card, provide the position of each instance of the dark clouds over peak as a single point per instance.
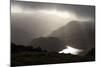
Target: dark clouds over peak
(27, 26)
(80, 10)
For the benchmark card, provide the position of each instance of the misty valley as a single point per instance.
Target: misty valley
(51, 33)
(54, 48)
(28, 55)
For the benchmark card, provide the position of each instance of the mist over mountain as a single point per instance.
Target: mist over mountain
(77, 34)
(30, 20)
(49, 33)
(26, 27)
(33, 20)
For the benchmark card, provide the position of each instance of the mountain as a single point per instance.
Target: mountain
(77, 34)
(50, 44)
(26, 27)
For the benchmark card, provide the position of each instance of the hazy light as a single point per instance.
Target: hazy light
(29, 11)
(62, 14)
(65, 15)
(16, 9)
(19, 9)
(71, 50)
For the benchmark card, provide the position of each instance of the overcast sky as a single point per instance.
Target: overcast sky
(30, 20)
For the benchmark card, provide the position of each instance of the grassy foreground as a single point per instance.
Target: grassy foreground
(39, 58)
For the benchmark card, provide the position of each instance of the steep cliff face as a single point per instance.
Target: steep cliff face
(80, 35)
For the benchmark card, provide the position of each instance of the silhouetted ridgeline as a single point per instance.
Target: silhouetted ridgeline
(20, 48)
(77, 34)
(50, 44)
(44, 50)
(22, 56)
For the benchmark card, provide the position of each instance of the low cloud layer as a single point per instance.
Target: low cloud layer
(30, 20)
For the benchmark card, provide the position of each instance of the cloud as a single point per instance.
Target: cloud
(31, 20)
